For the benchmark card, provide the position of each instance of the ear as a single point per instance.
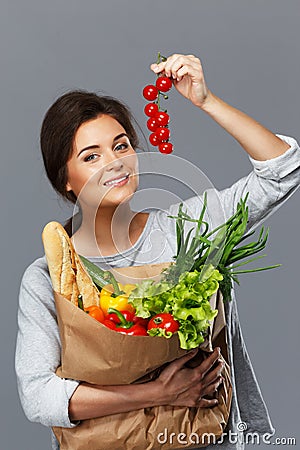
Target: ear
(68, 187)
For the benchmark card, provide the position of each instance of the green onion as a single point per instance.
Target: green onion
(221, 251)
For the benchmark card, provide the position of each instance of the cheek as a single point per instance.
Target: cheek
(81, 180)
(133, 164)
(90, 191)
(132, 161)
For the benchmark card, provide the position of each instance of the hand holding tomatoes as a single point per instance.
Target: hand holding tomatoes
(187, 74)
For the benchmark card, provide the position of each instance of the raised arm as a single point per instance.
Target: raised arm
(188, 78)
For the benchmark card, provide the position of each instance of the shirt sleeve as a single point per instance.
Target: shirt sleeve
(44, 396)
(269, 184)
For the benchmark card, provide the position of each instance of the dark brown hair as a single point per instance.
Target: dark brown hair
(59, 127)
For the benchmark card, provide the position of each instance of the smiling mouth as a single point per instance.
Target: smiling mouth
(117, 181)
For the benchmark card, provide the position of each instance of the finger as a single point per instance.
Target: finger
(182, 72)
(184, 65)
(164, 66)
(158, 68)
(194, 73)
(188, 69)
(161, 67)
(213, 375)
(205, 403)
(208, 363)
(212, 388)
(174, 63)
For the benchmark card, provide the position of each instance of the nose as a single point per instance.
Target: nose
(113, 161)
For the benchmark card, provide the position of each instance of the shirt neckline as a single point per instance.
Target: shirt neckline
(131, 249)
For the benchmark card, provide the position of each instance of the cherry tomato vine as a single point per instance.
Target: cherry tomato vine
(158, 119)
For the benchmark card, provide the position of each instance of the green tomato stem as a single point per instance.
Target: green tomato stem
(80, 302)
(123, 322)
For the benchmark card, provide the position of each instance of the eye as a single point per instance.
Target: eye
(121, 146)
(91, 157)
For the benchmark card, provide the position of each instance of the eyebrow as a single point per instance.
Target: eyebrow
(91, 147)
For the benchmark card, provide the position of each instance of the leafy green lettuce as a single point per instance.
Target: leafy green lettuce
(187, 301)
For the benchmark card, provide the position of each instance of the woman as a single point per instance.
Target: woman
(88, 145)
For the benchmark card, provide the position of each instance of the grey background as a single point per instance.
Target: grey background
(250, 54)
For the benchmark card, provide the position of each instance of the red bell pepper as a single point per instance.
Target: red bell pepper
(130, 316)
(140, 321)
(122, 325)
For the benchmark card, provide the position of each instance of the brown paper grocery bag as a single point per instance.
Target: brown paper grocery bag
(95, 354)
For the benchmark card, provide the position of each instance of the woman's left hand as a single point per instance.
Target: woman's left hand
(188, 77)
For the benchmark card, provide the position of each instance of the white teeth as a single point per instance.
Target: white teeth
(107, 183)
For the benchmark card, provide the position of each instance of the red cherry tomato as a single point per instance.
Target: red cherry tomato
(162, 118)
(150, 92)
(163, 133)
(165, 321)
(164, 84)
(151, 109)
(152, 124)
(165, 147)
(154, 140)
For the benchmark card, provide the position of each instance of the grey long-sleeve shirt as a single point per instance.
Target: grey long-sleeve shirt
(45, 397)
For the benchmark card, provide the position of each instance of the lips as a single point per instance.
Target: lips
(117, 180)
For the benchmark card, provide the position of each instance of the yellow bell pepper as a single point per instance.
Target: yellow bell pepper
(127, 288)
(120, 302)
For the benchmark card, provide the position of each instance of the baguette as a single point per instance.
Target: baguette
(68, 275)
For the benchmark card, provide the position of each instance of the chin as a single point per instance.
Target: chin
(117, 199)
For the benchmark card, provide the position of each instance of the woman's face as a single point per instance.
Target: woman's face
(102, 170)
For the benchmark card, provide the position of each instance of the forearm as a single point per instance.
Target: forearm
(90, 401)
(259, 142)
(177, 385)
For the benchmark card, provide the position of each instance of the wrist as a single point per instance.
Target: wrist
(210, 103)
(164, 393)
(159, 393)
